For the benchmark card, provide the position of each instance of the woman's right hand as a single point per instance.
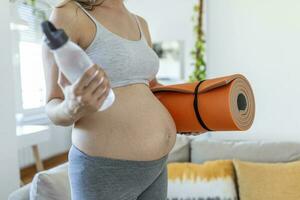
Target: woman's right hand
(87, 94)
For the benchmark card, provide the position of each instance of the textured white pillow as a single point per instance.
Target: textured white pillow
(51, 184)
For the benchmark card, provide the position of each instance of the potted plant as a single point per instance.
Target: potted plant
(198, 52)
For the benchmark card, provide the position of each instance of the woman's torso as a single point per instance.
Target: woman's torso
(137, 126)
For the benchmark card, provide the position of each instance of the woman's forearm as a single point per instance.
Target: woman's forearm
(57, 112)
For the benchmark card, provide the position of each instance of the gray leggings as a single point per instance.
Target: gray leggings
(97, 178)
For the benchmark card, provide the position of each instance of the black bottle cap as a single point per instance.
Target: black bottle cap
(55, 38)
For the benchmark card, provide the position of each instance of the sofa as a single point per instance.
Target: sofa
(200, 151)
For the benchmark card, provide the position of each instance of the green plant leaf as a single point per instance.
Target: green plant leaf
(198, 53)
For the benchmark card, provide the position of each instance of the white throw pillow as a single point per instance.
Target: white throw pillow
(51, 184)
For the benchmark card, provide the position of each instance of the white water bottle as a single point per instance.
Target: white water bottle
(70, 58)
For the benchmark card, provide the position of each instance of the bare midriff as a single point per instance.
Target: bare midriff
(136, 127)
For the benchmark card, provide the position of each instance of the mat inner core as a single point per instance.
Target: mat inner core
(241, 102)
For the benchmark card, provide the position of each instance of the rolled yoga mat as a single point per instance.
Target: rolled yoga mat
(220, 104)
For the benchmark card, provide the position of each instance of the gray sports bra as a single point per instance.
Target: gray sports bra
(124, 61)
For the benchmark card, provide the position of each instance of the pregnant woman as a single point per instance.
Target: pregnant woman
(119, 153)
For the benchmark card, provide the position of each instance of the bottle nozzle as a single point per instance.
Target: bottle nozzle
(55, 38)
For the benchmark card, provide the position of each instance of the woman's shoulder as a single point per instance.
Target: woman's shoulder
(64, 15)
(63, 12)
(65, 4)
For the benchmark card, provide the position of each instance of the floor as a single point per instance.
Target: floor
(28, 173)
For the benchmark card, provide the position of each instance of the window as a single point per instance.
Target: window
(27, 60)
(32, 75)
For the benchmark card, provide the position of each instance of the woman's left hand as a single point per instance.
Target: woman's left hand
(154, 83)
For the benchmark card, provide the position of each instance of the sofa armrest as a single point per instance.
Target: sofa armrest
(21, 194)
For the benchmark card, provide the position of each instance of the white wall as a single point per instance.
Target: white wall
(9, 174)
(261, 39)
(168, 20)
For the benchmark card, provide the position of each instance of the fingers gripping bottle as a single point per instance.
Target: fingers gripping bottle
(70, 58)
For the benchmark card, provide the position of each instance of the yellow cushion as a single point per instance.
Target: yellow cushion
(280, 181)
(211, 180)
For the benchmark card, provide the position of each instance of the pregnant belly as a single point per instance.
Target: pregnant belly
(136, 127)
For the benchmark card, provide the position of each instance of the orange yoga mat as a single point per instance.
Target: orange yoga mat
(219, 104)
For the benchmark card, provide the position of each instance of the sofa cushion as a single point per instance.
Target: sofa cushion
(211, 180)
(255, 151)
(181, 150)
(51, 184)
(268, 181)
